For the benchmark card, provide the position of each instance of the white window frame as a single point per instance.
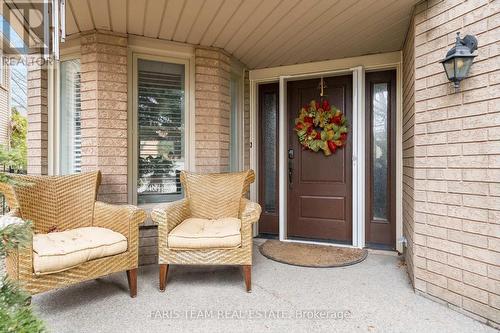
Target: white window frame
(238, 71)
(54, 109)
(132, 119)
(2, 71)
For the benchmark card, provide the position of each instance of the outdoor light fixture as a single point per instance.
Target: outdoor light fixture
(459, 59)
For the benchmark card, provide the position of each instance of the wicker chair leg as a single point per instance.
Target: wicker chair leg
(247, 270)
(163, 276)
(132, 282)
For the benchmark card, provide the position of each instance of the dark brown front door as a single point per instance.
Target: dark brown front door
(319, 187)
(268, 157)
(380, 106)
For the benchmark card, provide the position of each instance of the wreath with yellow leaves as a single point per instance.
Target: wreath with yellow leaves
(321, 126)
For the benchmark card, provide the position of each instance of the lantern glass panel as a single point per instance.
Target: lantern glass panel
(449, 67)
(462, 66)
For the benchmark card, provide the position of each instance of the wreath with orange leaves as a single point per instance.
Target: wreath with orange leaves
(321, 126)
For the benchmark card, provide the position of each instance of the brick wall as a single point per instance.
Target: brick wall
(408, 146)
(212, 97)
(457, 160)
(104, 111)
(37, 136)
(4, 105)
(148, 245)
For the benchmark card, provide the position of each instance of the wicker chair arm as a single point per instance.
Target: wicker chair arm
(249, 211)
(168, 215)
(14, 213)
(119, 218)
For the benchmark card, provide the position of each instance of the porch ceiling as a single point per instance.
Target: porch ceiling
(261, 33)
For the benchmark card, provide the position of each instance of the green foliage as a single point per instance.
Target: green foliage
(18, 144)
(12, 159)
(16, 314)
(14, 234)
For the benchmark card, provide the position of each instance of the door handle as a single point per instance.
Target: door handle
(290, 173)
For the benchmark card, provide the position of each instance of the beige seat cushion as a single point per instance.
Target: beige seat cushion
(59, 251)
(196, 233)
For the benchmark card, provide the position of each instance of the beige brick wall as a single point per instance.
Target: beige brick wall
(408, 146)
(148, 245)
(37, 136)
(104, 111)
(213, 71)
(456, 152)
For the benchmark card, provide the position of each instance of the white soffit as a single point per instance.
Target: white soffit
(261, 33)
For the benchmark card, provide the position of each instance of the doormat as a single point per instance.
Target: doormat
(311, 255)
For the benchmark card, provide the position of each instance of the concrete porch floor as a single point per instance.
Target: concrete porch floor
(374, 296)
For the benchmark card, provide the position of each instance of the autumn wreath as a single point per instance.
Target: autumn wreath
(321, 126)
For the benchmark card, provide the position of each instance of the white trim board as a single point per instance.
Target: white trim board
(282, 159)
(380, 60)
(358, 157)
(71, 52)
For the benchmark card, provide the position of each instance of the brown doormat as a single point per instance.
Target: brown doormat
(311, 255)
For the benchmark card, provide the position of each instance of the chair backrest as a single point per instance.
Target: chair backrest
(216, 195)
(63, 202)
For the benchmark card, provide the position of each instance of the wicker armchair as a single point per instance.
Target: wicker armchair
(212, 225)
(65, 205)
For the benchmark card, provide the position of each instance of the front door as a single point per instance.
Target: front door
(319, 198)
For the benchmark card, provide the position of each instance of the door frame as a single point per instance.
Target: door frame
(356, 67)
(357, 128)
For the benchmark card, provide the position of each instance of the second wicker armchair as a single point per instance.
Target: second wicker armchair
(212, 225)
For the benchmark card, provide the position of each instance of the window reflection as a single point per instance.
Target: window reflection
(380, 99)
(160, 111)
(269, 131)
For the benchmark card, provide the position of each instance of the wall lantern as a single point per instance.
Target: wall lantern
(459, 59)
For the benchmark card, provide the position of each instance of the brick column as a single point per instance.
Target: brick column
(213, 72)
(37, 136)
(104, 111)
